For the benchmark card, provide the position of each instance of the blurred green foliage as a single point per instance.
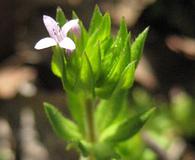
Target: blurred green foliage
(172, 121)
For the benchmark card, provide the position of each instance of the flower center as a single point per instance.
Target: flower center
(58, 36)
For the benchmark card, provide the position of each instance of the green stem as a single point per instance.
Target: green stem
(90, 125)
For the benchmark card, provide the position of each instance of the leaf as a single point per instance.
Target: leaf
(112, 78)
(123, 32)
(76, 106)
(86, 75)
(107, 58)
(93, 45)
(125, 129)
(105, 46)
(65, 69)
(64, 128)
(60, 17)
(95, 20)
(85, 148)
(74, 15)
(106, 91)
(94, 56)
(83, 39)
(69, 76)
(111, 108)
(120, 65)
(133, 148)
(138, 45)
(121, 37)
(104, 151)
(102, 32)
(95, 61)
(57, 61)
(114, 58)
(123, 111)
(127, 78)
(115, 48)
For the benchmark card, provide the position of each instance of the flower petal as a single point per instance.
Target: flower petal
(51, 26)
(72, 24)
(67, 43)
(45, 43)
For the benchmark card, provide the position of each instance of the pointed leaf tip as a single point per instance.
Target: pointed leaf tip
(60, 17)
(138, 45)
(74, 15)
(59, 8)
(95, 20)
(148, 114)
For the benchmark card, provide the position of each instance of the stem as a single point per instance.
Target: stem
(90, 122)
(90, 125)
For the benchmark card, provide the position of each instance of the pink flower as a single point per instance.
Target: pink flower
(58, 36)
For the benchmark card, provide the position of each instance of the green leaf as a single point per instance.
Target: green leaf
(115, 47)
(102, 32)
(121, 37)
(104, 151)
(111, 51)
(107, 58)
(105, 47)
(120, 65)
(133, 148)
(127, 78)
(69, 76)
(85, 148)
(81, 41)
(95, 61)
(93, 45)
(95, 20)
(84, 37)
(76, 106)
(124, 110)
(106, 91)
(60, 17)
(125, 129)
(111, 108)
(112, 78)
(86, 75)
(64, 128)
(74, 15)
(57, 61)
(138, 45)
(94, 56)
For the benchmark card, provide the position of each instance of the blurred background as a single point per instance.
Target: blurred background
(165, 77)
